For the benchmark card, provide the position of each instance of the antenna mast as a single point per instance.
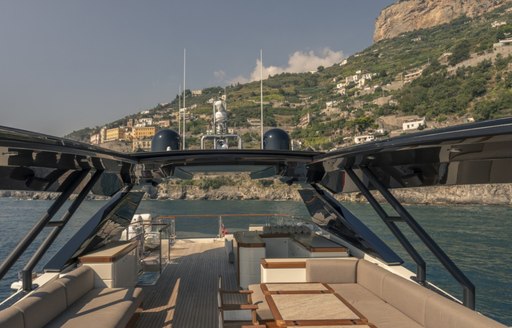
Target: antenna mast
(184, 99)
(179, 110)
(261, 95)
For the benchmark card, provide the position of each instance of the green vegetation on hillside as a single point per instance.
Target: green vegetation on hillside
(479, 88)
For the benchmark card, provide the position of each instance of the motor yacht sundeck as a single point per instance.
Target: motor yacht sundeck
(328, 271)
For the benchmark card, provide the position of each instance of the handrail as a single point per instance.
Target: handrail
(177, 216)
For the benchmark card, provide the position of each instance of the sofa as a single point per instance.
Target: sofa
(73, 301)
(384, 298)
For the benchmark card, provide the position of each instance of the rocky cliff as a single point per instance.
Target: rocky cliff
(490, 194)
(409, 15)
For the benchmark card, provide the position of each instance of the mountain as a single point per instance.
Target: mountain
(409, 15)
(447, 74)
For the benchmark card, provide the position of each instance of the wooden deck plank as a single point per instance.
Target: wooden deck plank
(186, 293)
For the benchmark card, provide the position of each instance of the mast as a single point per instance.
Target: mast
(261, 95)
(179, 110)
(184, 98)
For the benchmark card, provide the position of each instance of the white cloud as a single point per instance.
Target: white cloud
(298, 62)
(219, 75)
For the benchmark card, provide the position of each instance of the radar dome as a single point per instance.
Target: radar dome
(165, 140)
(276, 139)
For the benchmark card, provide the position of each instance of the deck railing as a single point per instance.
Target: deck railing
(154, 247)
(188, 226)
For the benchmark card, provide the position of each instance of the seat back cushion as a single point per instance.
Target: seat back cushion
(444, 313)
(406, 296)
(43, 305)
(11, 318)
(331, 271)
(77, 283)
(371, 276)
(101, 307)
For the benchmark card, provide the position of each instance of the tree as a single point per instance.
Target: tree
(460, 52)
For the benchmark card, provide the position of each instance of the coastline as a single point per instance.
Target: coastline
(490, 194)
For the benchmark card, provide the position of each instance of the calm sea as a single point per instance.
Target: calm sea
(477, 238)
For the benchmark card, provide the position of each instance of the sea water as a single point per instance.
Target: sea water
(477, 238)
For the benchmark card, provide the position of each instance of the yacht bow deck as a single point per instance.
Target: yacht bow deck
(186, 293)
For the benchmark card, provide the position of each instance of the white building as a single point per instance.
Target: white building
(331, 104)
(103, 134)
(413, 125)
(496, 24)
(505, 42)
(145, 121)
(412, 76)
(364, 138)
(197, 93)
(95, 139)
(341, 85)
(164, 123)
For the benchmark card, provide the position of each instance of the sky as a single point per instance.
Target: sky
(70, 64)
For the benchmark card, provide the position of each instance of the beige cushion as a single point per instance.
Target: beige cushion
(354, 293)
(378, 312)
(383, 315)
(11, 318)
(263, 312)
(105, 307)
(444, 313)
(331, 270)
(406, 296)
(42, 305)
(371, 276)
(77, 282)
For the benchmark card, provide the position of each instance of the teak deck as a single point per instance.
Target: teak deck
(186, 293)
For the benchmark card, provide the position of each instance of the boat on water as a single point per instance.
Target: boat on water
(329, 270)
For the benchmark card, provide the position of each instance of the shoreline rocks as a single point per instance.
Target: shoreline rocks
(490, 194)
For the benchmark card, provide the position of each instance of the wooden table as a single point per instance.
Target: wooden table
(310, 304)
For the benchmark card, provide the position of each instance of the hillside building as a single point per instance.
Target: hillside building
(497, 24)
(141, 145)
(144, 132)
(163, 123)
(103, 134)
(144, 121)
(114, 134)
(414, 125)
(95, 139)
(502, 43)
(408, 78)
(364, 138)
(330, 104)
(197, 93)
